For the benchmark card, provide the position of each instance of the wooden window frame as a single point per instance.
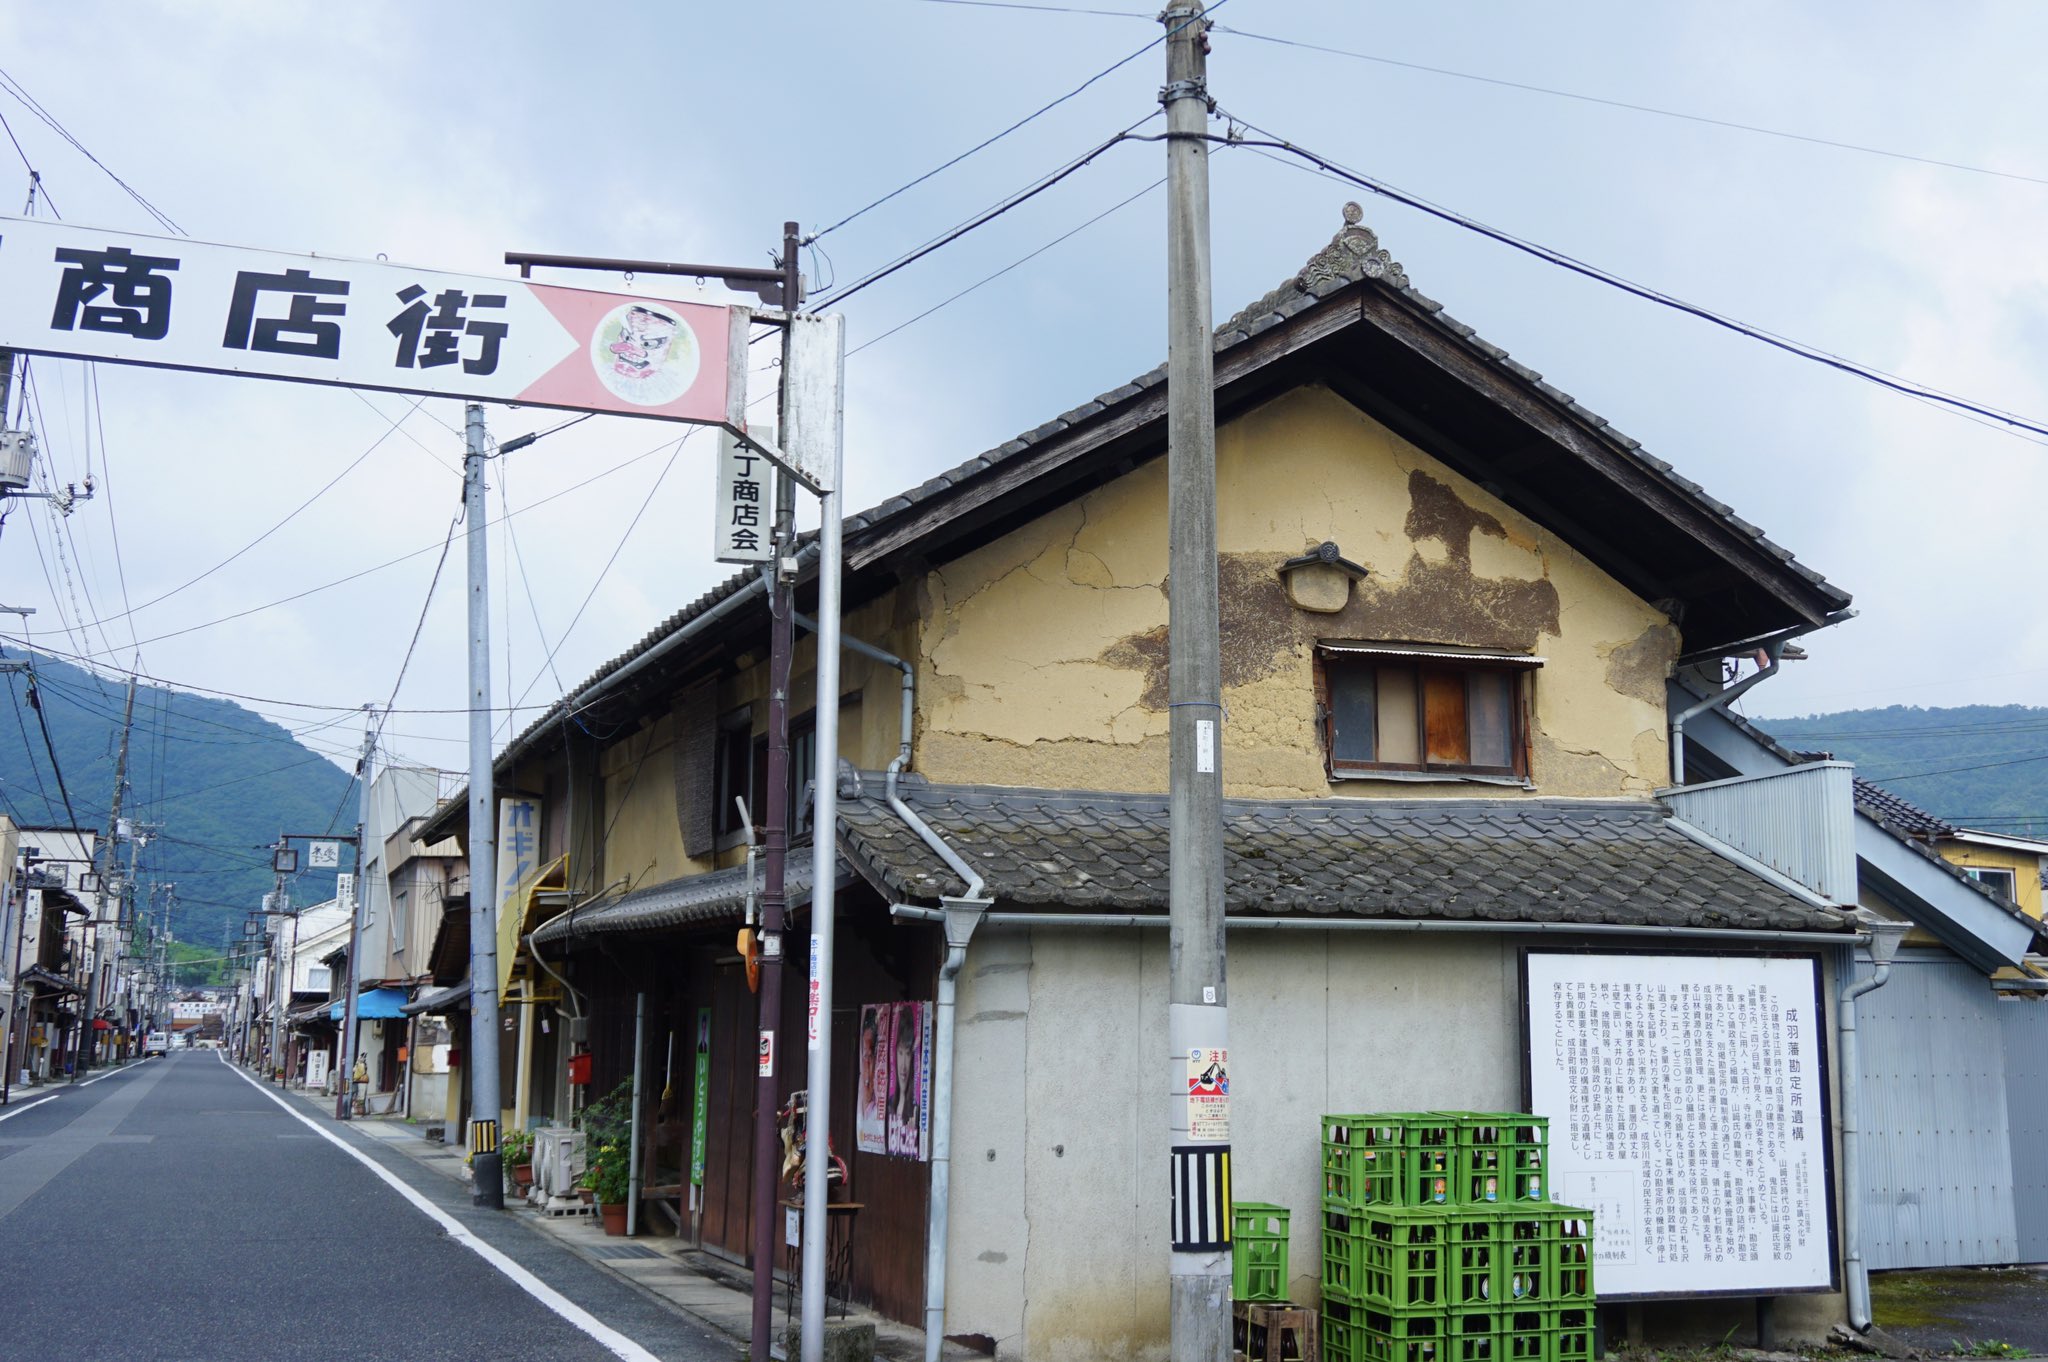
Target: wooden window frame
(735, 729)
(1340, 657)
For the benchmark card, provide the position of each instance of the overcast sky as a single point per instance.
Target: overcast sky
(446, 134)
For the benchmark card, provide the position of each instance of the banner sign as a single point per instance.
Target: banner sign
(743, 504)
(82, 293)
(700, 1099)
(1688, 1110)
(324, 855)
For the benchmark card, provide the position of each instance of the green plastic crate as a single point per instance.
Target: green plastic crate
(1528, 1258)
(1571, 1280)
(1258, 1251)
(1429, 1165)
(1549, 1333)
(1387, 1258)
(1472, 1262)
(1402, 1335)
(1472, 1336)
(1500, 1155)
(1362, 1159)
(1342, 1340)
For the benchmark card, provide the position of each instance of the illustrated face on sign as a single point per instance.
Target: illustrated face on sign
(644, 354)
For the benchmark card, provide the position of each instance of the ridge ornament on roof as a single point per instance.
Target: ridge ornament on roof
(1354, 253)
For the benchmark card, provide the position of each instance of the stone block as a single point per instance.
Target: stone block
(845, 1341)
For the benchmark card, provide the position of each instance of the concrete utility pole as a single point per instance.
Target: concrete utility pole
(1198, 1002)
(108, 863)
(775, 839)
(487, 1178)
(355, 917)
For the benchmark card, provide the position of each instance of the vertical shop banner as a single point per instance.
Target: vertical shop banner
(871, 1108)
(1687, 1097)
(700, 1099)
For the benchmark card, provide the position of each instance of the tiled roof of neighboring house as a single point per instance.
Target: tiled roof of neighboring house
(1900, 814)
(1352, 257)
(689, 901)
(1451, 859)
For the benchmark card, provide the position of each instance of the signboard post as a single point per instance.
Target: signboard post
(1687, 1098)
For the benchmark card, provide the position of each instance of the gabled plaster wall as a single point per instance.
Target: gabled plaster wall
(1043, 654)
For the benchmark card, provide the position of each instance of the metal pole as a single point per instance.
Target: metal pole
(774, 861)
(19, 916)
(487, 1178)
(107, 862)
(355, 917)
(633, 1178)
(824, 864)
(1197, 1013)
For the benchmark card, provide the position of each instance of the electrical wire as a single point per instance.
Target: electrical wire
(1559, 259)
(991, 278)
(991, 141)
(1553, 93)
(35, 703)
(20, 93)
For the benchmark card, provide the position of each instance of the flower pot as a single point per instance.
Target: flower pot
(614, 1214)
(522, 1176)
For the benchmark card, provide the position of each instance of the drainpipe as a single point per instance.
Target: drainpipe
(1718, 700)
(1884, 945)
(1773, 646)
(961, 916)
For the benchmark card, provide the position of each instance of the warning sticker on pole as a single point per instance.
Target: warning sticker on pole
(1209, 1095)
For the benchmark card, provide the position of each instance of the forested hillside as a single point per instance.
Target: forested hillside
(1984, 766)
(215, 781)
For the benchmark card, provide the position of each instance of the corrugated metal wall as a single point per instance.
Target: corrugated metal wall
(2026, 1100)
(1937, 1147)
(1801, 822)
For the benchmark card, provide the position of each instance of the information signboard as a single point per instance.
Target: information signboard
(83, 293)
(1688, 1108)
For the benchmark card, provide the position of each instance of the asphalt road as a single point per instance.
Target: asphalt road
(174, 1210)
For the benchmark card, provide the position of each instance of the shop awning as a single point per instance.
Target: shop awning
(379, 1004)
(102, 1024)
(438, 1000)
(515, 912)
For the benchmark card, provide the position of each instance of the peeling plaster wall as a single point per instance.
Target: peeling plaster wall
(1059, 1200)
(645, 842)
(1043, 654)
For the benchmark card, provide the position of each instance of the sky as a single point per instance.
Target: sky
(444, 135)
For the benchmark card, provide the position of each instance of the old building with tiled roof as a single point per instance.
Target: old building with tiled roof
(1452, 601)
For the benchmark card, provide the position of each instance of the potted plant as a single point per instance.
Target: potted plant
(516, 1153)
(609, 1177)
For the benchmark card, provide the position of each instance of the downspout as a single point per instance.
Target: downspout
(1884, 944)
(1773, 646)
(1718, 700)
(961, 916)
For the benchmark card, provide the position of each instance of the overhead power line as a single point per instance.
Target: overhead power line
(20, 93)
(984, 144)
(1562, 261)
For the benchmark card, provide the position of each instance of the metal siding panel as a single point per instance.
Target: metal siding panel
(1938, 1169)
(1799, 821)
(2026, 1096)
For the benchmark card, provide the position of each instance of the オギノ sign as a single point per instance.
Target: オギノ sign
(82, 293)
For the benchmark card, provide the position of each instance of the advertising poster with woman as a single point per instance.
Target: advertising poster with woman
(909, 1088)
(877, 1048)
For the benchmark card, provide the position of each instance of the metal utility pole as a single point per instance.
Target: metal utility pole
(1198, 1128)
(107, 862)
(355, 917)
(775, 859)
(487, 1178)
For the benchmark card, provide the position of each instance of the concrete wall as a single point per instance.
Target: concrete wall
(1060, 1209)
(1043, 656)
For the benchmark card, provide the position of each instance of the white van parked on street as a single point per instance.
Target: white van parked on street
(156, 1043)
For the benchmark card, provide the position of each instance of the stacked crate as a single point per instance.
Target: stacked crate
(1440, 1242)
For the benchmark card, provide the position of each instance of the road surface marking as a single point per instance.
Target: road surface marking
(607, 1337)
(16, 1111)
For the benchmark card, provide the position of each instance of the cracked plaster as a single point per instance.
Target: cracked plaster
(1047, 647)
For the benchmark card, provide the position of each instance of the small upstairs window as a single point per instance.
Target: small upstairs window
(1414, 713)
(2001, 882)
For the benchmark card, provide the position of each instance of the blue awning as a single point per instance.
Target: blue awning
(378, 1004)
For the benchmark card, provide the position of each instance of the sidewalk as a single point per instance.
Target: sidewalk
(707, 1288)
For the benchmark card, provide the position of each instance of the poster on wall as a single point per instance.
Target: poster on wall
(1688, 1108)
(909, 1084)
(871, 1108)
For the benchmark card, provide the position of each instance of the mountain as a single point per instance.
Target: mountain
(1983, 766)
(216, 782)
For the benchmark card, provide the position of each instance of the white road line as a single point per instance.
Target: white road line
(14, 1111)
(130, 1067)
(607, 1337)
